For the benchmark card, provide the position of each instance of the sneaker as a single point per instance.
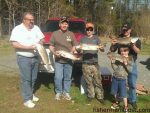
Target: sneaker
(35, 99)
(134, 105)
(29, 104)
(126, 109)
(58, 96)
(67, 96)
(101, 101)
(114, 106)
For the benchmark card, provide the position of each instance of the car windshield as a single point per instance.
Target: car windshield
(74, 26)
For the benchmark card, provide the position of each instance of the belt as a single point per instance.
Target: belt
(118, 78)
(27, 57)
(88, 63)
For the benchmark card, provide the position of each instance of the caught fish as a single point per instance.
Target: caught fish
(116, 56)
(124, 40)
(90, 46)
(68, 55)
(133, 40)
(44, 56)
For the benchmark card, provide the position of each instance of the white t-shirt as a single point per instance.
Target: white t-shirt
(25, 37)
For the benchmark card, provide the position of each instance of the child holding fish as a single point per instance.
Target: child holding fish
(90, 65)
(134, 49)
(122, 67)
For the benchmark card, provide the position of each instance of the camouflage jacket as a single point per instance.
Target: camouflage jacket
(121, 70)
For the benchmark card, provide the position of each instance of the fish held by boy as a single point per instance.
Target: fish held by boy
(124, 40)
(118, 57)
(91, 46)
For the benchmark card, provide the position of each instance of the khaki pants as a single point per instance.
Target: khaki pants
(93, 81)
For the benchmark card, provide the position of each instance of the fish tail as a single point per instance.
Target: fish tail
(49, 68)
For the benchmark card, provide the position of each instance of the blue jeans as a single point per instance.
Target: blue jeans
(119, 86)
(132, 77)
(28, 69)
(62, 79)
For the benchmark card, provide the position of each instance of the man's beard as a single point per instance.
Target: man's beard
(31, 25)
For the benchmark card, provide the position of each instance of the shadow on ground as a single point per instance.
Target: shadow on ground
(48, 78)
(147, 63)
(44, 79)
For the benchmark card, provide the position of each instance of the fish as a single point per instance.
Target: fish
(116, 56)
(92, 47)
(124, 40)
(68, 55)
(44, 57)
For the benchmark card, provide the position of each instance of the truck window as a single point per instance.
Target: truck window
(77, 27)
(51, 26)
(74, 26)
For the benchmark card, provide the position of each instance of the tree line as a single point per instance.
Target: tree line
(107, 15)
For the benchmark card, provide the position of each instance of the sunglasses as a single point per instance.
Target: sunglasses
(29, 19)
(89, 29)
(124, 51)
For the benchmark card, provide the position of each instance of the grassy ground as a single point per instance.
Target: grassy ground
(11, 100)
(5, 47)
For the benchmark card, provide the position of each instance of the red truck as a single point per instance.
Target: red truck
(76, 25)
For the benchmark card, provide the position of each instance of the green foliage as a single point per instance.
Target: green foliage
(107, 14)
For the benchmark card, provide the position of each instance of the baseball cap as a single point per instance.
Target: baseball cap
(126, 27)
(89, 25)
(64, 19)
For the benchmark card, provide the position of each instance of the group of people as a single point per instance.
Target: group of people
(25, 36)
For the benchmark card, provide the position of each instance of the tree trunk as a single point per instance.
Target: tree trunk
(13, 18)
(9, 21)
(0, 26)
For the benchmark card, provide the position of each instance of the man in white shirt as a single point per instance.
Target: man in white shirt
(24, 37)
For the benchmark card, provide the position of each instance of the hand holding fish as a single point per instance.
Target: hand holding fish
(125, 61)
(33, 47)
(102, 46)
(113, 40)
(78, 48)
(57, 54)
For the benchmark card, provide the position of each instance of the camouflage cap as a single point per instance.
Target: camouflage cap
(126, 27)
(64, 19)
